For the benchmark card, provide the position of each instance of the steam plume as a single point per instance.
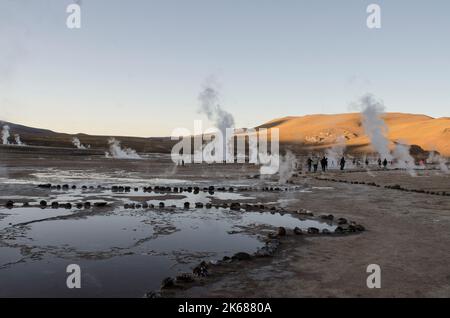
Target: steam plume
(288, 164)
(335, 153)
(5, 135)
(210, 106)
(117, 152)
(76, 142)
(374, 126)
(18, 141)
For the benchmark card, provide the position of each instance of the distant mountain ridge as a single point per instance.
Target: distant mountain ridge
(303, 133)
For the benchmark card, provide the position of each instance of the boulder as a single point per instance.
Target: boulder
(298, 231)
(281, 231)
(313, 230)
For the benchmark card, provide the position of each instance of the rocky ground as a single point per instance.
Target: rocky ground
(407, 232)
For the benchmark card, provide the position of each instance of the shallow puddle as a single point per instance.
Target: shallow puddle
(124, 252)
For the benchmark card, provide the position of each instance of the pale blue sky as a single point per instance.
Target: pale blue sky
(137, 67)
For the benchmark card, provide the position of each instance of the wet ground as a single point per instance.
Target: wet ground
(128, 246)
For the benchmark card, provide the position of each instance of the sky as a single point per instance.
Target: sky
(137, 67)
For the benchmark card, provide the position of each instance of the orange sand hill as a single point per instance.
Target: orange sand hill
(320, 131)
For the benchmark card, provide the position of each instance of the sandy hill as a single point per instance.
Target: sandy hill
(321, 131)
(300, 133)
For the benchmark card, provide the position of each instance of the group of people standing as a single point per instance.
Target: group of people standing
(313, 163)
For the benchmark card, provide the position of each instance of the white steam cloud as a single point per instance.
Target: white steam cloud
(210, 106)
(18, 141)
(288, 164)
(77, 143)
(5, 135)
(434, 158)
(374, 126)
(335, 153)
(117, 152)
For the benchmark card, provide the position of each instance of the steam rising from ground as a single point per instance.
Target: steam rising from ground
(288, 164)
(18, 141)
(5, 135)
(117, 152)
(76, 142)
(335, 153)
(210, 106)
(374, 126)
(433, 157)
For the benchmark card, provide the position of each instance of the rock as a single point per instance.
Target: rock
(313, 230)
(161, 204)
(136, 189)
(26, 205)
(65, 186)
(281, 231)
(87, 205)
(241, 256)
(145, 205)
(55, 205)
(79, 205)
(100, 204)
(9, 204)
(235, 206)
(152, 295)
(186, 205)
(342, 221)
(208, 205)
(185, 278)
(43, 203)
(298, 231)
(329, 217)
(339, 230)
(199, 205)
(201, 270)
(45, 186)
(74, 187)
(268, 250)
(167, 282)
(68, 205)
(326, 231)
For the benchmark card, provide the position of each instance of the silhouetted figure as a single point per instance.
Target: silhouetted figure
(315, 163)
(385, 162)
(379, 162)
(182, 162)
(342, 163)
(309, 163)
(367, 162)
(323, 164)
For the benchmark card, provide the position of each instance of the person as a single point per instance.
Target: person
(309, 163)
(385, 163)
(367, 162)
(326, 163)
(322, 163)
(342, 163)
(379, 162)
(315, 163)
